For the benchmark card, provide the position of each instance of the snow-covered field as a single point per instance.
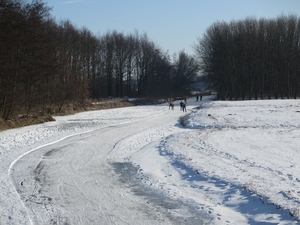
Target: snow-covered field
(233, 163)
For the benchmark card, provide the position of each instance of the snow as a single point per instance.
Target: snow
(232, 163)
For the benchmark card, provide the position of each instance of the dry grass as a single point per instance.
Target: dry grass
(182, 122)
(38, 117)
(24, 121)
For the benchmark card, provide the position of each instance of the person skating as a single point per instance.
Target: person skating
(183, 106)
(171, 104)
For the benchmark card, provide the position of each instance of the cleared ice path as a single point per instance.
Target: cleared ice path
(71, 182)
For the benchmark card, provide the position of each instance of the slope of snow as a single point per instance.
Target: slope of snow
(233, 163)
(231, 157)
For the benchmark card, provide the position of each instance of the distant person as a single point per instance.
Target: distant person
(197, 98)
(183, 107)
(181, 103)
(200, 97)
(171, 104)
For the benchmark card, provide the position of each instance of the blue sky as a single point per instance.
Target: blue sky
(174, 25)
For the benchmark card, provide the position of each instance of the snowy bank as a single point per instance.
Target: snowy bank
(240, 156)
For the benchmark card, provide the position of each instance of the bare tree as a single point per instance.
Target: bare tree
(184, 73)
(26, 54)
(250, 58)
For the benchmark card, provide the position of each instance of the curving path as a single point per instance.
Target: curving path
(73, 182)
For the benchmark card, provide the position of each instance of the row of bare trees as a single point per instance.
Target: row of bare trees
(45, 64)
(252, 58)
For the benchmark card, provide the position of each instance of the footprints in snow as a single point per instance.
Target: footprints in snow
(283, 176)
(171, 190)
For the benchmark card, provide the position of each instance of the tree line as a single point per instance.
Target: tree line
(45, 64)
(251, 59)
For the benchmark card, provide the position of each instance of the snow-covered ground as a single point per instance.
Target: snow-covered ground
(233, 163)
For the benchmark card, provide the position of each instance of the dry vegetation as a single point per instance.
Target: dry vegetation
(38, 117)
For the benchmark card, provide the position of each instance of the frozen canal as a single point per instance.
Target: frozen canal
(233, 163)
(72, 181)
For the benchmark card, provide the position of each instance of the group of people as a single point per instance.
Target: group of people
(182, 105)
(197, 97)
